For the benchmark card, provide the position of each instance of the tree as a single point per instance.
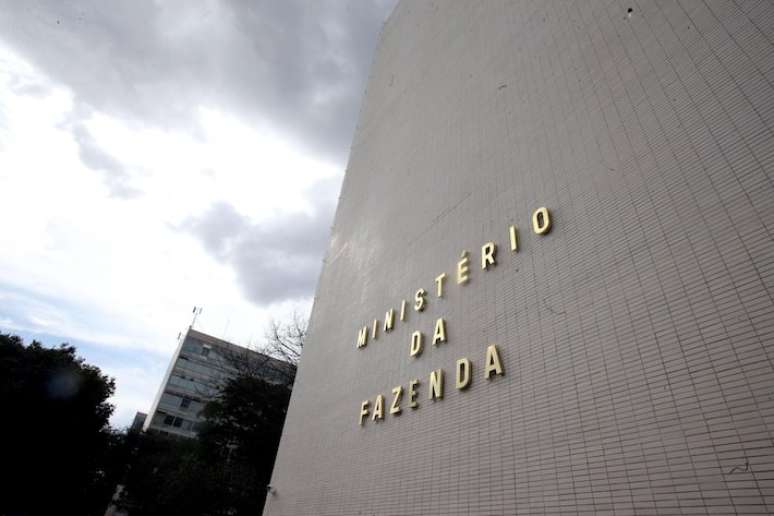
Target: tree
(58, 452)
(242, 430)
(168, 476)
(226, 470)
(285, 340)
(277, 360)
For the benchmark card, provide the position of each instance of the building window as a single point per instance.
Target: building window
(205, 351)
(168, 420)
(185, 403)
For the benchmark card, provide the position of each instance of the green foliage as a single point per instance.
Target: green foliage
(226, 470)
(246, 416)
(58, 452)
(167, 476)
(60, 456)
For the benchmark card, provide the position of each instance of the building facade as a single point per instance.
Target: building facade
(550, 281)
(200, 365)
(138, 422)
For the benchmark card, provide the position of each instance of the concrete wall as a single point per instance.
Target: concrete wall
(636, 337)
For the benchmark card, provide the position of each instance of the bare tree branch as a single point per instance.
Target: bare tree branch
(285, 341)
(276, 361)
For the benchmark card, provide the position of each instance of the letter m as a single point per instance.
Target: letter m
(362, 337)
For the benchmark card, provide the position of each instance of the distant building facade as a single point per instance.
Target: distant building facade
(138, 422)
(200, 365)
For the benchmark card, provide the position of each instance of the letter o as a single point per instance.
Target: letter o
(541, 221)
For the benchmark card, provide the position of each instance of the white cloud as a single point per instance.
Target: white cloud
(81, 263)
(155, 157)
(135, 390)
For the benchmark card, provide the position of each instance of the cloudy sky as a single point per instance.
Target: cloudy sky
(156, 155)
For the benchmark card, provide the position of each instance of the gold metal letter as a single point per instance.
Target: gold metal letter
(378, 408)
(363, 411)
(419, 300)
(488, 251)
(439, 284)
(492, 362)
(389, 320)
(362, 337)
(463, 268)
(541, 221)
(463, 373)
(416, 344)
(412, 394)
(395, 407)
(374, 329)
(403, 310)
(514, 238)
(440, 331)
(436, 385)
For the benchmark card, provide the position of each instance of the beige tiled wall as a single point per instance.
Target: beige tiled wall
(637, 336)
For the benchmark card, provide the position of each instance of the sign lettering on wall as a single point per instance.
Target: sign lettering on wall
(401, 396)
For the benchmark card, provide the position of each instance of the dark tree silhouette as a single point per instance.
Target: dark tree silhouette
(226, 470)
(59, 455)
(243, 428)
(168, 476)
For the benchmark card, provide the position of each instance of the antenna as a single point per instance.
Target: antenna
(225, 330)
(197, 311)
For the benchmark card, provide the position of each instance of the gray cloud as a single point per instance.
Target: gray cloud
(23, 86)
(277, 260)
(115, 175)
(300, 64)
